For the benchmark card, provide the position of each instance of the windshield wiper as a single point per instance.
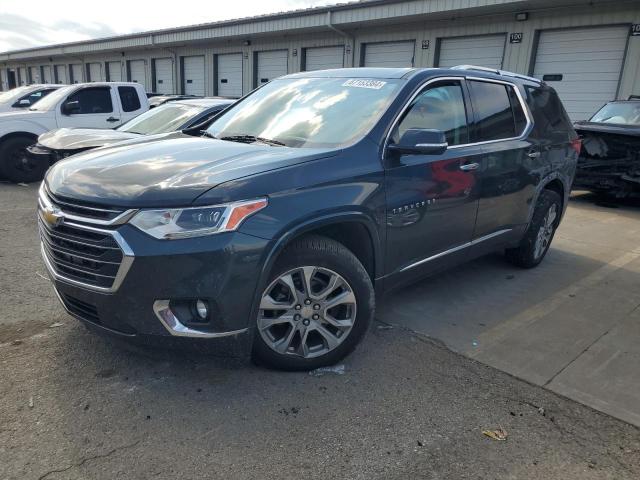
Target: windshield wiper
(194, 131)
(252, 139)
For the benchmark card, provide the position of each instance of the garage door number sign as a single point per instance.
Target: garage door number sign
(515, 37)
(635, 29)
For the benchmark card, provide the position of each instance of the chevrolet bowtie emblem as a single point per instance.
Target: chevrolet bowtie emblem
(52, 216)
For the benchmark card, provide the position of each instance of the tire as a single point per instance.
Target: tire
(305, 336)
(16, 165)
(539, 235)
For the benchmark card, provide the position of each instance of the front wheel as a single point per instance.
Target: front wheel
(17, 165)
(537, 239)
(316, 307)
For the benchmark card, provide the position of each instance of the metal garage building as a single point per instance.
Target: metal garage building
(589, 50)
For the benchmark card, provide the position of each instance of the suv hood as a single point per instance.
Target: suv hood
(168, 172)
(82, 138)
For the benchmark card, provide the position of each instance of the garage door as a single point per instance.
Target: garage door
(115, 71)
(163, 75)
(322, 58)
(95, 72)
(46, 74)
(229, 75)
(482, 50)
(389, 54)
(61, 74)
(583, 65)
(34, 75)
(76, 73)
(272, 65)
(22, 74)
(137, 72)
(193, 70)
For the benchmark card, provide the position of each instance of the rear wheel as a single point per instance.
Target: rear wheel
(316, 307)
(16, 164)
(537, 239)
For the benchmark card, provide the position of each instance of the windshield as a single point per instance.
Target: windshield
(162, 119)
(15, 93)
(309, 112)
(619, 113)
(51, 100)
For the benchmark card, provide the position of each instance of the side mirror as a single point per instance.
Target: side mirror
(425, 141)
(70, 108)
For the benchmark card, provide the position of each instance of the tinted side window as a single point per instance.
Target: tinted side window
(549, 116)
(93, 100)
(518, 113)
(492, 107)
(439, 107)
(129, 99)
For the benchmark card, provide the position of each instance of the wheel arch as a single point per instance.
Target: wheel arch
(18, 134)
(556, 183)
(327, 225)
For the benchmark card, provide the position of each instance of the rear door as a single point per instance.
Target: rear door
(432, 200)
(130, 104)
(98, 109)
(511, 164)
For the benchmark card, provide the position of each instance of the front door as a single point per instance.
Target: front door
(432, 200)
(96, 108)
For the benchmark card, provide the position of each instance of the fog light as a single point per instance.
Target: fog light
(202, 309)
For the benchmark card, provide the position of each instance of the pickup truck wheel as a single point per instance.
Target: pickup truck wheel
(317, 306)
(15, 163)
(537, 239)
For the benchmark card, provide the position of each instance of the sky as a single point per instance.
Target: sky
(32, 23)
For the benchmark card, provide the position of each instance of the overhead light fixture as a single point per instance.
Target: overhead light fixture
(522, 16)
(246, 43)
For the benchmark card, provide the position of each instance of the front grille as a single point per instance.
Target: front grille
(84, 209)
(86, 256)
(82, 309)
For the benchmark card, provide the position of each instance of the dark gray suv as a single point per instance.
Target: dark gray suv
(272, 232)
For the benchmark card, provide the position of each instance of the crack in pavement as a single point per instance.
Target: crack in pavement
(85, 460)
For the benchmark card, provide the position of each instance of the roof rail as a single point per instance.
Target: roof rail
(504, 73)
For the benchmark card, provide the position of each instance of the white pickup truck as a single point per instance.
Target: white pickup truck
(89, 105)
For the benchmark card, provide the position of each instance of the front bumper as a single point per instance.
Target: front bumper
(221, 269)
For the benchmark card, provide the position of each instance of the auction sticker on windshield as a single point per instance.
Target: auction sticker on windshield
(360, 83)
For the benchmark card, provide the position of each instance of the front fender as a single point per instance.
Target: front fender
(10, 126)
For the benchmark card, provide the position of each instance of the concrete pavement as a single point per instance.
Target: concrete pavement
(570, 325)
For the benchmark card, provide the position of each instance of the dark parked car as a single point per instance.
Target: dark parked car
(273, 233)
(157, 99)
(63, 142)
(610, 159)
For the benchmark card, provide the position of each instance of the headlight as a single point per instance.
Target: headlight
(174, 223)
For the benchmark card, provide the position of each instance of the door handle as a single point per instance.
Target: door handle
(113, 119)
(533, 154)
(467, 167)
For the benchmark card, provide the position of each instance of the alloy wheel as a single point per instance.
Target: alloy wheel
(545, 233)
(308, 312)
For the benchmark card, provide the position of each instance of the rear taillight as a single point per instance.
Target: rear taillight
(577, 145)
